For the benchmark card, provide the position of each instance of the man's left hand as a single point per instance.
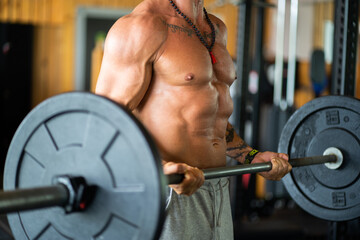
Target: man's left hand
(280, 164)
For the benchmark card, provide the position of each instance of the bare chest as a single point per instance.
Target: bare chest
(184, 60)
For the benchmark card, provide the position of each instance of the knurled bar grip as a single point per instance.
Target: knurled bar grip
(33, 198)
(299, 162)
(252, 168)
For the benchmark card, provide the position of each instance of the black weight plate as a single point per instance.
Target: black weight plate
(83, 134)
(331, 121)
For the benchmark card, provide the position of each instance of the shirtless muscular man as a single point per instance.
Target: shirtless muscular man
(167, 62)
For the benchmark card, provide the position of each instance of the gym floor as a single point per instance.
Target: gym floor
(284, 224)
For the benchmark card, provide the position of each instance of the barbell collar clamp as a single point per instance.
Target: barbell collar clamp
(71, 193)
(80, 194)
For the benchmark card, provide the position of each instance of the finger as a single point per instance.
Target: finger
(283, 163)
(275, 165)
(197, 179)
(193, 179)
(284, 156)
(279, 168)
(192, 182)
(171, 168)
(200, 176)
(289, 168)
(186, 188)
(284, 167)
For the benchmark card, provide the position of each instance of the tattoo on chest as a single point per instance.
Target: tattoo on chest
(184, 29)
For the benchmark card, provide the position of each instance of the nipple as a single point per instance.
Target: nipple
(189, 77)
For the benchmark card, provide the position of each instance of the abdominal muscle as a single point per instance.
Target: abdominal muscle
(187, 123)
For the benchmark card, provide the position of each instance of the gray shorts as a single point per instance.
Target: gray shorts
(204, 215)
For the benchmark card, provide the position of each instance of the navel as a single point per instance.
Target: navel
(189, 76)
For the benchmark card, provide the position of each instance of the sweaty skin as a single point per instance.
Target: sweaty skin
(156, 66)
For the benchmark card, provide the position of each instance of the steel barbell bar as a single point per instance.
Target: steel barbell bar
(257, 167)
(33, 198)
(73, 194)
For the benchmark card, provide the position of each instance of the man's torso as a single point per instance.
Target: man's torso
(187, 105)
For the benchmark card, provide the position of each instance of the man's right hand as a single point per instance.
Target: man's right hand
(193, 177)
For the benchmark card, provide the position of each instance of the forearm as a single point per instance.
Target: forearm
(237, 148)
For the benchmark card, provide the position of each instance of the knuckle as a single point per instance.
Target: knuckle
(176, 167)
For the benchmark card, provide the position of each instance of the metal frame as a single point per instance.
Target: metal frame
(257, 66)
(346, 19)
(242, 64)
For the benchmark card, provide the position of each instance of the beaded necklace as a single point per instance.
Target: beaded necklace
(197, 32)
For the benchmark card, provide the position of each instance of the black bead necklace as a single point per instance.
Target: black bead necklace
(197, 32)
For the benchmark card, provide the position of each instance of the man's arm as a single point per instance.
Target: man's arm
(131, 47)
(238, 149)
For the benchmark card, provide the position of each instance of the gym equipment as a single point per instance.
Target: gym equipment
(98, 163)
(327, 192)
(85, 135)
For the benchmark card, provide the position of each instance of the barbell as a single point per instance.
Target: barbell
(84, 167)
(74, 195)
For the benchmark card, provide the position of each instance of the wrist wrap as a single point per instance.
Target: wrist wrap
(250, 156)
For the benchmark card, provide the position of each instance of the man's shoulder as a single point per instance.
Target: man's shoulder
(221, 29)
(139, 30)
(141, 24)
(144, 16)
(218, 23)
